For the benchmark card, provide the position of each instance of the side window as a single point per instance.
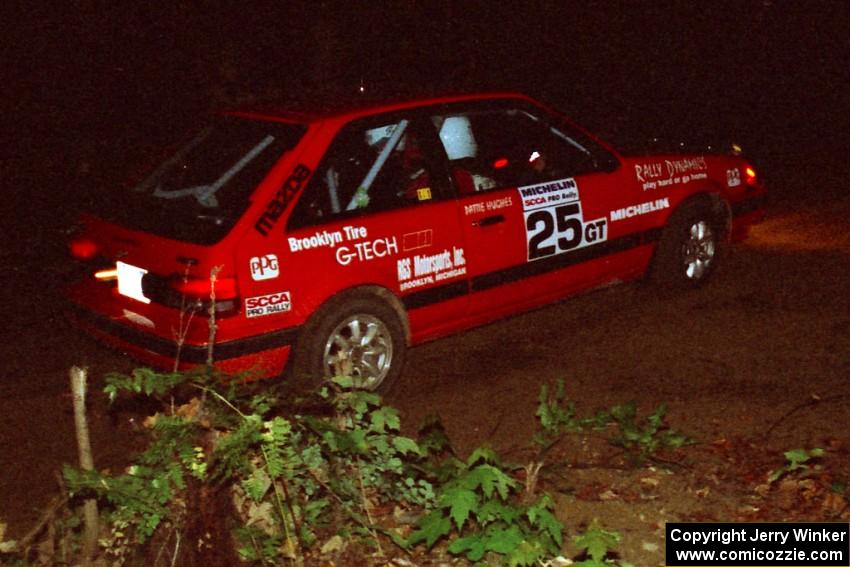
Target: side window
(368, 168)
(509, 148)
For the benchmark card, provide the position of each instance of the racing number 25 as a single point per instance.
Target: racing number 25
(564, 218)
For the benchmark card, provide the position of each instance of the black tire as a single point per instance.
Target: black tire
(691, 246)
(374, 364)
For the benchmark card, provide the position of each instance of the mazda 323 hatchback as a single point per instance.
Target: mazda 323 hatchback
(339, 239)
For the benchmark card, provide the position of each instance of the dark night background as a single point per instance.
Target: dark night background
(90, 84)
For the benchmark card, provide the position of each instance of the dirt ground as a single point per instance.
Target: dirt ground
(754, 364)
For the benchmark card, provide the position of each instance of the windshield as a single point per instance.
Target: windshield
(199, 192)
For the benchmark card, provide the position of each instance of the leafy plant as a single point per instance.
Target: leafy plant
(641, 438)
(597, 544)
(796, 460)
(556, 416)
(368, 431)
(477, 506)
(292, 480)
(143, 381)
(290, 476)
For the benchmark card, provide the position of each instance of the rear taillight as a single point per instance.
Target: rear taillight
(90, 261)
(750, 177)
(82, 249)
(197, 293)
(203, 287)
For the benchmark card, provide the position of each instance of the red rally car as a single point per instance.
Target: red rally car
(339, 239)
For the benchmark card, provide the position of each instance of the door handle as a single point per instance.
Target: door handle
(487, 221)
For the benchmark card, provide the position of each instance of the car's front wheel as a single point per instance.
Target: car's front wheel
(690, 247)
(360, 337)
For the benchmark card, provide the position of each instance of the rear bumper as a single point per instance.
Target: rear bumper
(264, 355)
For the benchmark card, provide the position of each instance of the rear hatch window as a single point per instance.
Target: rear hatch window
(199, 192)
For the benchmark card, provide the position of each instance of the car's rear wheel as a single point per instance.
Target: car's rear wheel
(358, 337)
(690, 247)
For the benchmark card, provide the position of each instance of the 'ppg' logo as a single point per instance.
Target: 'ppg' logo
(264, 267)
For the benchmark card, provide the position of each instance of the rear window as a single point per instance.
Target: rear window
(199, 192)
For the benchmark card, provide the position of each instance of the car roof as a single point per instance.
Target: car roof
(317, 109)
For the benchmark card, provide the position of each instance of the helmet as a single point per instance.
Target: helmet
(457, 137)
